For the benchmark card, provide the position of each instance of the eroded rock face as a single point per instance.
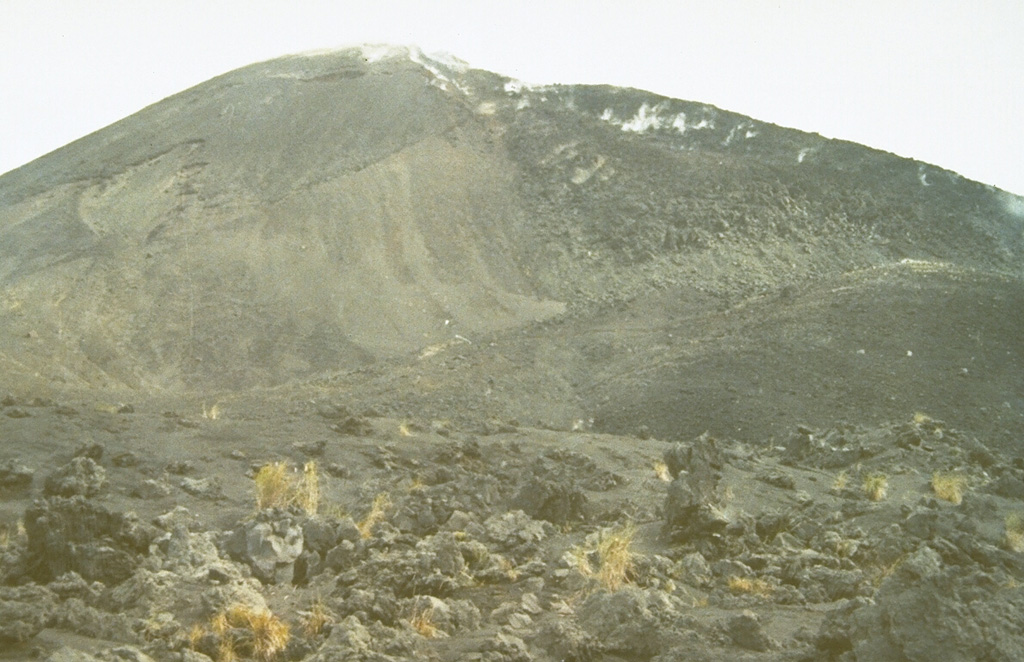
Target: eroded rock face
(270, 544)
(72, 534)
(81, 476)
(928, 610)
(692, 504)
(631, 621)
(24, 612)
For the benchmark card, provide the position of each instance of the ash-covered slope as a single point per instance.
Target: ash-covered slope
(313, 214)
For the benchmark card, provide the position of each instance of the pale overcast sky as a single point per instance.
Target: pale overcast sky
(936, 80)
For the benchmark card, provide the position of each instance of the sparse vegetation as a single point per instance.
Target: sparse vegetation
(661, 471)
(1014, 524)
(277, 487)
(378, 512)
(423, 622)
(244, 631)
(841, 481)
(949, 486)
(613, 554)
(273, 486)
(266, 634)
(317, 617)
(876, 486)
(213, 412)
(307, 491)
(616, 557)
(750, 586)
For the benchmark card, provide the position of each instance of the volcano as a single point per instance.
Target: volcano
(505, 303)
(309, 216)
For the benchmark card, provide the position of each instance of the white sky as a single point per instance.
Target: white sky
(936, 80)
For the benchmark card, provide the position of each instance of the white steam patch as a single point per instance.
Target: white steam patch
(380, 52)
(656, 117)
(1013, 204)
(646, 118)
(746, 127)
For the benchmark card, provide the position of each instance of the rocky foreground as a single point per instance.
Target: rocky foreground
(304, 531)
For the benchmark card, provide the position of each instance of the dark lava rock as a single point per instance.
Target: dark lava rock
(15, 477)
(79, 477)
(631, 621)
(74, 535)
(746, 632)
(692, 506)
(700, 456)
(551, 500)
(928, 610)
(270, 543)
(93, 451)
(24, 612)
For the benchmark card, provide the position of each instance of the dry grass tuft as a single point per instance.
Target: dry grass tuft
(226, 649)
(613, 554)
(264, 633)
(317, 618)
(423, 622)
(615, 557)
(378, 512)
(750, 586)
(273, 486)
(876, 486)
(661, 472)
(277, 487)
(211, 413)
(195, 635)
(1014, 523)
(949, 486)
(840, 482)
(307, 491)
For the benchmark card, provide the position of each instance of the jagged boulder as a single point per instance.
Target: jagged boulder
(81, 476)
(24, 612)
(692, 503)
(928, 610)
(66, 535)
(270, 543)
(631, 621)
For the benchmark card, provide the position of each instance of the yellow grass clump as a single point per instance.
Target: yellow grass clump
(273, 484)
(378, 512)
(423, 622)
(876, 486)
(1014, 523)
(615, 557)
(317, 618)
(750, 586)
(661, 472)
(277, 487)
(244, 631)
(307, 491)
(263, 633)
(949, 486)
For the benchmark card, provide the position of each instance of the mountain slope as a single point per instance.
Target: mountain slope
(310, 215)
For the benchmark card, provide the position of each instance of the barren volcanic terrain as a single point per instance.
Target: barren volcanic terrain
(370, 355)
